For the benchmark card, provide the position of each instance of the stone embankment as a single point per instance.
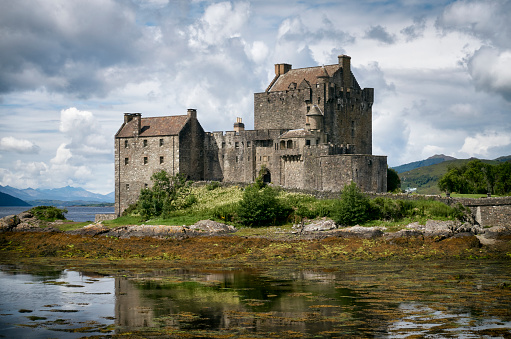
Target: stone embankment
(317, 229)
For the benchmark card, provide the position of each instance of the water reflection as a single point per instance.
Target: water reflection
(355, 299)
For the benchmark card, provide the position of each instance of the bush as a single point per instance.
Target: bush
(213, 185)
(353, 207)
(226, 213)
(260, 206)
(48, 213)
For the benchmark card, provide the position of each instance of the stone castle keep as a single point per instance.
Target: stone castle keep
(312, 130)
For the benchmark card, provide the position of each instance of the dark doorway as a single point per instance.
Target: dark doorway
(267, 177)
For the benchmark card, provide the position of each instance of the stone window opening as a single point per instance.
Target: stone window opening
(127, 187)
(307, 142)
(145, 142)
(161, 160)
(248, 143)
(145, 160)
(290, 144)
(126, 144)
(352, 129)
(223, 144)
(282, 144)
(161, 142)
(236, 144)
(146, 186)
(126, 161)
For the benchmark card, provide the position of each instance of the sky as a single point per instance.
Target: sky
(69, 70)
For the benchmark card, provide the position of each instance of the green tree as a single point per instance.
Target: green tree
(393, 180)
(167, 194)
(503, 178)
(353, 207)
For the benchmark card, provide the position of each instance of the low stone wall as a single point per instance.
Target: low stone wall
(105, 216)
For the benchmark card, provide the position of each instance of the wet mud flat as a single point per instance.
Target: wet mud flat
(237, 287)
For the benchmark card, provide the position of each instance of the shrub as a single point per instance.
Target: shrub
(48, 213)
(353, 207)
(260, 206)
(213, 185)
(227, 212)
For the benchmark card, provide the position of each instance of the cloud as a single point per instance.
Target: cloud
(380, 34)
(483, 142)
(416, 30)
(11, 144)
(490, 69)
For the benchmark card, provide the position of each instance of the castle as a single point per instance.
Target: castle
(312, 130)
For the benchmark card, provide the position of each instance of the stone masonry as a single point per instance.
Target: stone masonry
(312, 130)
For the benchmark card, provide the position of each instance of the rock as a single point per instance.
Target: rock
(497, 232)
(25, 215)
(158, 231)
(90, 230)
(212, 227)
(318, 225)
(404, 234)
(8, 223)
(440, 229)
(361, 232)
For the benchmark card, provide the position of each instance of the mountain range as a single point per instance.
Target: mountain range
(424, 175)
(68, 195)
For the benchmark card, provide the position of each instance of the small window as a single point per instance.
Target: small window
(290, 144)
(126, 161)
(307, 142)
(145, 142)
(248, 143)
(237, 159)
(161, 160)
(145, 160)
(125, 143)
(146, 186)
(127, 187)
(237, 144)
(161, 142)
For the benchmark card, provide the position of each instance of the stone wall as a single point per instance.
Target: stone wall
(104, 216)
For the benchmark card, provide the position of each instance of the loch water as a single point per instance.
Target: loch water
(461, 299)
(75, 213)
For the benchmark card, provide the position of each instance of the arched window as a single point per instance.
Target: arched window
(290, 144)
(282, 144)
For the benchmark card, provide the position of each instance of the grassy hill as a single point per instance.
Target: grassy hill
(425, 179)
(436, 159)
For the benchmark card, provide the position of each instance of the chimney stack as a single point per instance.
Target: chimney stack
(137, 117)
(238, 126)
(345, 62)
(192, 113)
(282, 68)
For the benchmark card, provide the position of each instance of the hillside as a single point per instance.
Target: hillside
(9, 200)
(425, 179)
(64, 194)
(435, 159)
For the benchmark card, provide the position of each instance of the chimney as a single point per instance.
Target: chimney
(138, 121)
(282, 68)
(238, 126)
(192, 113)
(345, 61)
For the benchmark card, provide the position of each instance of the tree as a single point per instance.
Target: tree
(166, 195)
(393, 180)
(353, 207)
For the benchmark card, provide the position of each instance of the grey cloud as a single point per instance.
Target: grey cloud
(380, 33)
(416, 30)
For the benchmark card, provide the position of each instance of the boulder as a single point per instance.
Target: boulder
(8, 223)
(90, 230)
(498, 232)
(361, 232)
(404, 233)
(155, 231)
(317, 225)
(212, 227)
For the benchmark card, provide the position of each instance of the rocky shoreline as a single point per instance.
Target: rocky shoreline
(316, 229)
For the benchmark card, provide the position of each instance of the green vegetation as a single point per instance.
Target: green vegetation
(393, 180)
(48, 213)
(353, 207)
(477, 177)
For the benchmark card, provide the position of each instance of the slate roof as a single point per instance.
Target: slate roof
(296, 133)
(310, 74)
(156, 126)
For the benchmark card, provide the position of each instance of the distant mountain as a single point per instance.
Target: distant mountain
(425, 178)
(435, 159)
(9, 200)
(67, 193)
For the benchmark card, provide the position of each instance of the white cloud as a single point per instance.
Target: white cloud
(11, 144)
(482, 143)
(491, 71)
